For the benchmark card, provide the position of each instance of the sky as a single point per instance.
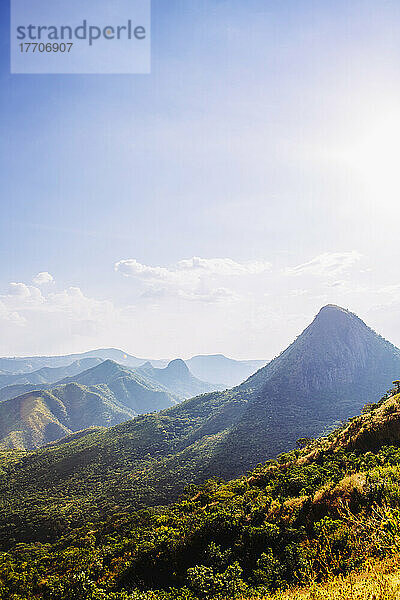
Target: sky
(214, 205)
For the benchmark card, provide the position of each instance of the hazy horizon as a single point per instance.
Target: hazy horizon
(166, 358)
(185, 358)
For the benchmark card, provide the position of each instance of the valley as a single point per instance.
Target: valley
(233, 492)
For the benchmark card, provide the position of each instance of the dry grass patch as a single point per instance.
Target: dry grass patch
(377, 581)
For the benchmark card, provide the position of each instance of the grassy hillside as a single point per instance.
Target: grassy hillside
(39, 417)
(151, 459)
(315, 513)
(377, 580)
(145, 461)
(33, 415)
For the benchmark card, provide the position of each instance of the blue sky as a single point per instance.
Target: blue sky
(264, 142)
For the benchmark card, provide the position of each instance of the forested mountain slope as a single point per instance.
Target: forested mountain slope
(39, 417)
(312, 513)
(104, 395)
(130, 388)
(321, 378)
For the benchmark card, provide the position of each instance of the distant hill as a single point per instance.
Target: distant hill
(28, 364)
(104, 395)
(42, 379)
(40, 417)
(224, 371)
(48, 374)
(177, 378)
(336, 366)
(174, 378)
(129, 387)
(216, 369)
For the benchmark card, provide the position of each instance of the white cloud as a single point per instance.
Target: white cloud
(223, 266)
(132, 268)
(73, 303)
(42, 278)
(197, 266)
(22, 292)
(19, 289)
(54, 317)
(196, 306)
(298, 292)
(329, 264)
(392, 289)
(201, 279)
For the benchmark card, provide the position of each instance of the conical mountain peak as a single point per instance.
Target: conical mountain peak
(336, 348)
(336, 325)
(336, 314)
(335, 308)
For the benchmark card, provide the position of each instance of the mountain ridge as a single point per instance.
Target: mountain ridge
(48, 375)
(150, 459)
(227, 371)
(328, 504)
(131, 388)
(40, 417)
(108, 394)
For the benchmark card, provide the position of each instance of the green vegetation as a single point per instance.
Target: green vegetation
(151, 459)
(34, 413)
(146, 461)
(377, 580)
(313, 513)
(104, 395)
(88, 518)
(39, 417)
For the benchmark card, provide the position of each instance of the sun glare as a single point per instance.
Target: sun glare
(375, 158)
